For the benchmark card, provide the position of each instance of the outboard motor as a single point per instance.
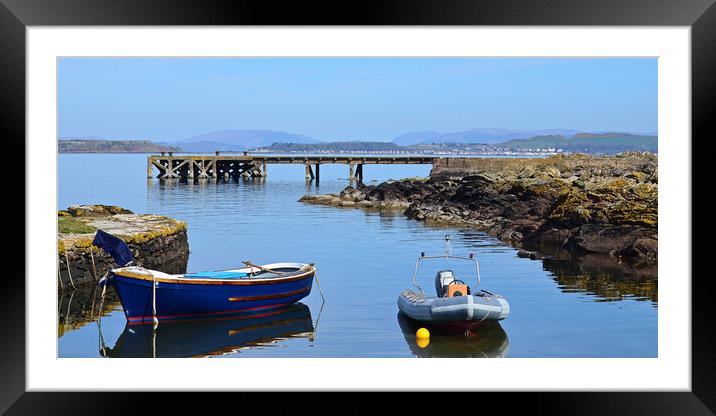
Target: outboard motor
(442, 281)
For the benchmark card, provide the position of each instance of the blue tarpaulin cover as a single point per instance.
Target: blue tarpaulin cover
(217, 275)
(114, 246)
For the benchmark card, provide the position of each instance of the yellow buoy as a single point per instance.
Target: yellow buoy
(422, 334)
(422, 342)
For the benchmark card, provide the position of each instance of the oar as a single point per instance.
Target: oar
(248, 263)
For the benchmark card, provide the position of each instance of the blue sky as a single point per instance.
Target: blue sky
(351, 98)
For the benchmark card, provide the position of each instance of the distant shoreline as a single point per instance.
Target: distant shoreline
(106, 153)
(585, 143)
(322, 153)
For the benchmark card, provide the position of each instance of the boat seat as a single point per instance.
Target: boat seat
(217, 275)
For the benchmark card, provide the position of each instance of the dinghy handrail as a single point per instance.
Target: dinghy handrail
(445, 256)
(424, 257)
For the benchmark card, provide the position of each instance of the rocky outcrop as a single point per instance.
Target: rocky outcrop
(157, 242)
(580, 204)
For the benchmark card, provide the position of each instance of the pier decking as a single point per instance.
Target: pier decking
(190, 166)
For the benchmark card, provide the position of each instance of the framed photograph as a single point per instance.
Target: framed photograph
(239, 198)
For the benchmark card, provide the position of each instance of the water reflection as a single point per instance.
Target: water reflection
(213, 337)
(78, 307)
(365, 259)
(604, 278)
(487, 341)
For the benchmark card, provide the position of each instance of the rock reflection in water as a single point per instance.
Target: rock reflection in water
(78, 307)
(214, 337)
(602, 277)
(487, 341)
(606, 278)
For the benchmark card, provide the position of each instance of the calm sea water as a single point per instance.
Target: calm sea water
(364, 260)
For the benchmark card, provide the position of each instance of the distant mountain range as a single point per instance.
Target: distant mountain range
(241, 140)
(478, 135)
(339, 147)
(238, 140)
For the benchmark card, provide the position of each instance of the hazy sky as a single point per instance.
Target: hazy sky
(351, 98)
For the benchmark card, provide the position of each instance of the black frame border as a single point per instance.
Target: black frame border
(16, 15)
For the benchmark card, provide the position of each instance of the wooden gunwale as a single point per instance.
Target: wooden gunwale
(149, 278)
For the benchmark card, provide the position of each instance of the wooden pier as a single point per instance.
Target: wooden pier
(191, 166)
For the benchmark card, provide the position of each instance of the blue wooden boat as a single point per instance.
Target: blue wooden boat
(152, 296)
(148, 294)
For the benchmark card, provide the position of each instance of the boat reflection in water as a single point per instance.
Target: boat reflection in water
(213, 337)
(487, 341)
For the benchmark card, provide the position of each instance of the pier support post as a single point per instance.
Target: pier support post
(263, 169)
(202, 169)
(171, 166)
(309, 172)
(359, 172)
(318, 172)
(190, 172)
(150, 168)
(351, 176)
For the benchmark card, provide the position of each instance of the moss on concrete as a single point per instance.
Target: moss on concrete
(69, 225)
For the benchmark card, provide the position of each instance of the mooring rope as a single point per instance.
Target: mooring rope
(94, 269)
(59, 277)
(101, 300)
(315, 276)
(154, 343)
(94, 297)
(69, 306)
(102, 345)
(154, 301)
(318, 318)
(69, 273)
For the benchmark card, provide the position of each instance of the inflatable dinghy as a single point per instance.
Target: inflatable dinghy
(455, 303)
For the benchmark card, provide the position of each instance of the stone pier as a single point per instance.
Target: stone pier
(157, 242)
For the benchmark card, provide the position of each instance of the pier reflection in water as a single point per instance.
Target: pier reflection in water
(487, 341)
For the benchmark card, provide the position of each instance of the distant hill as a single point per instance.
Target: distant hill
(588, 143)
(477, 135)
(237, 140)
(416, 138)
(111, 146)
(339, 147)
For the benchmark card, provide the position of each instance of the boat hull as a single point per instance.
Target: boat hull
(455, 311)
(179, 300)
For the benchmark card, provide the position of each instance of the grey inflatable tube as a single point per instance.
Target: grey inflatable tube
(480, 306)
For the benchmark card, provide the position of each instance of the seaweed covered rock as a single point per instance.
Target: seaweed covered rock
(577, 203)
(93, 211)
